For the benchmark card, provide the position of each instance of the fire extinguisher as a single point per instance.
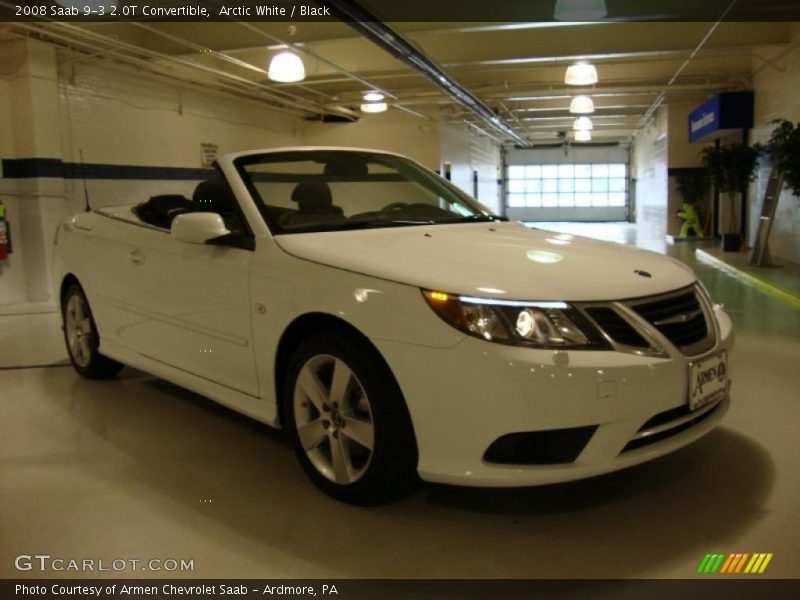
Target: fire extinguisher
(5, 234)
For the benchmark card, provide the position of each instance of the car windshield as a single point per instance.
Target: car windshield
(335, 190)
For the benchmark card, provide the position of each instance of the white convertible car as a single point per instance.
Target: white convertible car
(394, 326)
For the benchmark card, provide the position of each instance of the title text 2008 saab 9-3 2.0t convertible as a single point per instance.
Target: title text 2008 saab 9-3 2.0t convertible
(394, 326)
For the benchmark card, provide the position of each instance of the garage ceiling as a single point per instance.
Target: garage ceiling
(517, 69)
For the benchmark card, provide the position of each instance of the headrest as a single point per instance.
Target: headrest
(214, 195)
(312, 196)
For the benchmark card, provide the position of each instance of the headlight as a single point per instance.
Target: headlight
(538, 324)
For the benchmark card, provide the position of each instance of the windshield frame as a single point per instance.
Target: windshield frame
(428, 178)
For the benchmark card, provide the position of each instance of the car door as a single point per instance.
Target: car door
(189, 307)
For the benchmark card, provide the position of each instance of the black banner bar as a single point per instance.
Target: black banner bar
(729, 588)
(465, 11)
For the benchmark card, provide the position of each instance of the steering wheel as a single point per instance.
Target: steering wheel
(394, 206)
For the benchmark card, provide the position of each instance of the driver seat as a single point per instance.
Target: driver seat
(314, 205)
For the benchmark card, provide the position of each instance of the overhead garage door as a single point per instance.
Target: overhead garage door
(582, 184)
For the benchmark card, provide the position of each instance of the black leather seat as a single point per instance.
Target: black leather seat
(314, 205)
(214, 195)
(160, 210)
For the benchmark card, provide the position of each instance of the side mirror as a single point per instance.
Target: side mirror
(198, 228)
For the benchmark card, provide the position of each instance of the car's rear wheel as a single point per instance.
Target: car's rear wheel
(348, 421)
(80, 335)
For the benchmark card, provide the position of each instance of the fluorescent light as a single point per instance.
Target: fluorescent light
(583, 124)
(581, 105)
(580, 10)
(286, 67)
(373, 107)
(372, 96)
(583, 135)
(582, 73)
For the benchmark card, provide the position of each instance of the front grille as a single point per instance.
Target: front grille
(551, 447)
(617, 328)
(680, 318)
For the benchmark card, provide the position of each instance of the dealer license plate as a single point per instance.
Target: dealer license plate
(708, 380)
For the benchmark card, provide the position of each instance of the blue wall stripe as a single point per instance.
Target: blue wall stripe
(19, 168)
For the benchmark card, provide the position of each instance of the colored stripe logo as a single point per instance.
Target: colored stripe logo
(733, 564)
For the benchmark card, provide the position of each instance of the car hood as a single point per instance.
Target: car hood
(499, 260)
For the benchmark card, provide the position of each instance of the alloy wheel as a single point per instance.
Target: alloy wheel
(333, 417)
(78, 326)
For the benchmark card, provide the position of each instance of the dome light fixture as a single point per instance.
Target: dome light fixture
(580, 10)
(582, 73)
(583, 124)
(286, 67)
(583, 135)
(373, 96)
(581, 105)
(373, 107)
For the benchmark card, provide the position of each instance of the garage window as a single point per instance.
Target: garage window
(568, 186)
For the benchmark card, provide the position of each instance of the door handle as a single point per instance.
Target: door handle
(136, 257)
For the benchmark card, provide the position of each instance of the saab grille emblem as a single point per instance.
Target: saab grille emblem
(732, 564)
(643, 274)
(681, 318)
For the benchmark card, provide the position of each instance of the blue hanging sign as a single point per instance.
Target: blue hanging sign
(723, 114)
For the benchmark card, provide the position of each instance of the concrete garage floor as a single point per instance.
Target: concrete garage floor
(139, 468)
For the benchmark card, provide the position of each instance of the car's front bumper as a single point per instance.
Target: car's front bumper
(464, 398)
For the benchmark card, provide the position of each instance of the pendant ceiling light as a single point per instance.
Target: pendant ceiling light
(580, 10)
(581, 105)
(582, 73)
(373, 107)
(286, 67)
(373, 97)
(583, 124)
(583, 136)
(373, 102)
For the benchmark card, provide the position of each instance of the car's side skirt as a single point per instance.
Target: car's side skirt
(261, 409)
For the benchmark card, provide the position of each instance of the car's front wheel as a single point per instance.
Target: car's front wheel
(348, 421)
(80, 335)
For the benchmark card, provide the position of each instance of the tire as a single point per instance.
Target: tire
(339, 399)
(82, 339)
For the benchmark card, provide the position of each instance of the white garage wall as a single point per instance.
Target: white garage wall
(777, 96)
(465, 151)
(649, 170)
(33, 205)
(393, 131)
(119, 117)
(6, 140)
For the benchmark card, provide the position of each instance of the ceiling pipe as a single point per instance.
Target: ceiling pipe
(73, 44)
(392, 42)
(263, 90)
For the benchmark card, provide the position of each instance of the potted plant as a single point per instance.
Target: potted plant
(783, 148)
(693, 185)
(732, 167)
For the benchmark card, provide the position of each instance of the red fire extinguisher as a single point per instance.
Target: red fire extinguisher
(5, 234)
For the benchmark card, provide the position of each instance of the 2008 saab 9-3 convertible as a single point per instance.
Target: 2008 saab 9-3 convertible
(394, 326)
